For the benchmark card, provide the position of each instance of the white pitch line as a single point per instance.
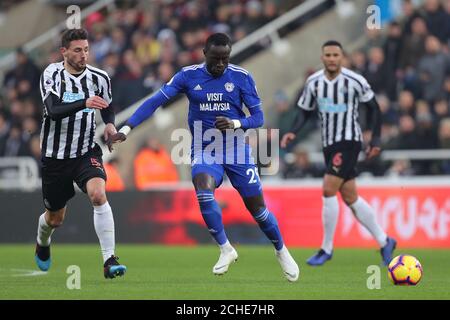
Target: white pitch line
(27, 273)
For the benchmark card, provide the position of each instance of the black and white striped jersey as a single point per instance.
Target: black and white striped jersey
(337, 101)
(72, 136)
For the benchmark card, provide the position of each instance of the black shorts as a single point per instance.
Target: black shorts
(341, 159)
(58, 176)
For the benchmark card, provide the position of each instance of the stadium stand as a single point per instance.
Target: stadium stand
(408, 68)
(142, 45)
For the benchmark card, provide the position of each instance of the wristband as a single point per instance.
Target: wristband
(125, 130)
(237, 124)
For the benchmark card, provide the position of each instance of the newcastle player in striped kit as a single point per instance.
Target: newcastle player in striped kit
(337, 92)
(71, 92)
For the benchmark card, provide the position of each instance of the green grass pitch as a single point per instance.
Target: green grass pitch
(168, 272)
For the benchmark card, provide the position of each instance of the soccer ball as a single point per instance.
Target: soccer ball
(405, 270)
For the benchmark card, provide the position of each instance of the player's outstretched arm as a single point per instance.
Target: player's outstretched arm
(144, 112)
(374, 148)
(300, 119)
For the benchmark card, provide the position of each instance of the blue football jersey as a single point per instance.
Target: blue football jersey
(210, 97)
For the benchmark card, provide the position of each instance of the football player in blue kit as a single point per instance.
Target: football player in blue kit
(217, 91)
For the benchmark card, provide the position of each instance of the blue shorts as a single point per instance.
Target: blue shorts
(243, 175)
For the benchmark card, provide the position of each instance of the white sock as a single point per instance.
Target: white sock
(104, 227)
(44, 232)
(226, 247)
(366, 216)
(330, 213)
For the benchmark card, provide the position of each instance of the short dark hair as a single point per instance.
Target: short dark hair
(332, 43)
(217, 39)
(71, 35)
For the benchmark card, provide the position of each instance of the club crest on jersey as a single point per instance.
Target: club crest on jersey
(229, 86)
(48, 83)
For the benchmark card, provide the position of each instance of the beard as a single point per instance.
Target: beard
(79, 67)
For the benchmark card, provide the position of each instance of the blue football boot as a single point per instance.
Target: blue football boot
(42, 257)
(319, 258)
(112, 268)
(388, 250)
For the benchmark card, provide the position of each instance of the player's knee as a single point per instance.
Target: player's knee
(328, 191)
(349, 199)
(97, 196)
(204, 182)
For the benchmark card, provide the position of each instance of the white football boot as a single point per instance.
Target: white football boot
(289, 266)
(228, 255)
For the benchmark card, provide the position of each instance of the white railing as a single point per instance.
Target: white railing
(392, 155)
(22, 173)
(8, 60)
(271, 29)
(19, 173)
(363, 181)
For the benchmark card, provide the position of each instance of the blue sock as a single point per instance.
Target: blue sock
(269, 225)
(212, 215)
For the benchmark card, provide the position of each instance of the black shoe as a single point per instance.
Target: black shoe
(112, 268)
(42, 257)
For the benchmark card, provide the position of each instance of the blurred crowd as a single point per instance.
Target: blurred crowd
(7, 4)
(408, 68)
(141, 45)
